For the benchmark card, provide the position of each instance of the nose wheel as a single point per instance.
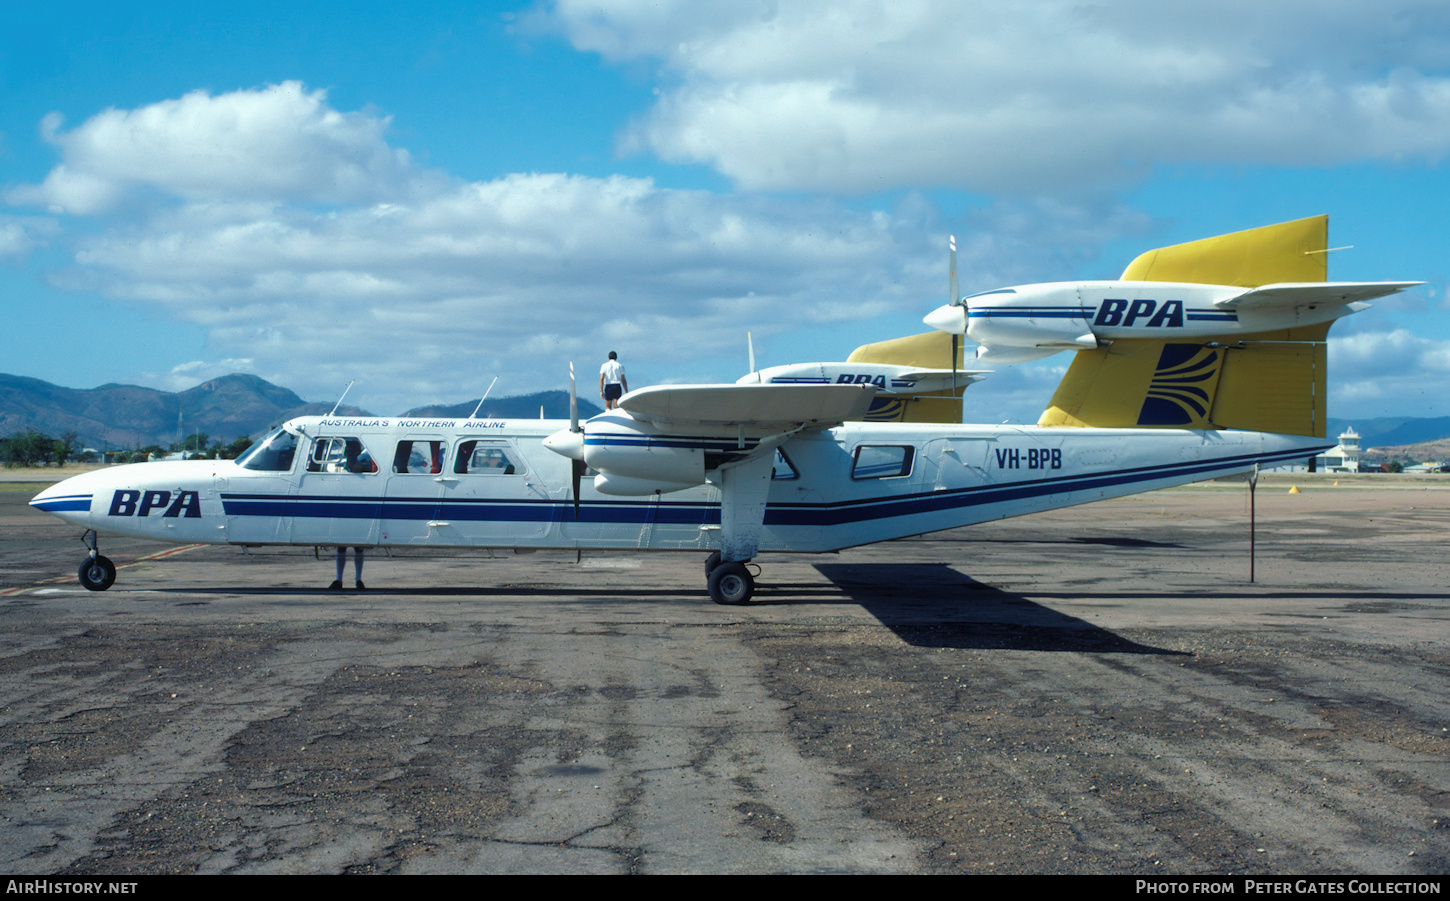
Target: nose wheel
(97, 573)
(731, 583)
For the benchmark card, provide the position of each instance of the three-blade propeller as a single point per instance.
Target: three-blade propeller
(578, 466)
(570, 442)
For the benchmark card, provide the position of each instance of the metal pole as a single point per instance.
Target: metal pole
(1253, 484)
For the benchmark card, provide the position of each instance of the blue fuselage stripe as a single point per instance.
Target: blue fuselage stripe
(70, 502)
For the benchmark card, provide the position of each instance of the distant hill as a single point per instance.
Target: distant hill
(1420, 452)
(224, 408)
(131, 416)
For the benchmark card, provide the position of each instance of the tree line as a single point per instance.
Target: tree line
(33, 448)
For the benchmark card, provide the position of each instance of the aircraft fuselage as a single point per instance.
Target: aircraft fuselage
(387, 482)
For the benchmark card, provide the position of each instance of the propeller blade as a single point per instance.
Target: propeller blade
(961, 398)
(573, 406)
(579, 466)
(954, 297)
(953, 293)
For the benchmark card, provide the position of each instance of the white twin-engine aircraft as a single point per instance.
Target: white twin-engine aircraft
(729, 469)
(779, 462)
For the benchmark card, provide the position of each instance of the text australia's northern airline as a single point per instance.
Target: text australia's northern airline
(1205, 360)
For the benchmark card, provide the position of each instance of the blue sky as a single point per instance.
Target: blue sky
(423, 197)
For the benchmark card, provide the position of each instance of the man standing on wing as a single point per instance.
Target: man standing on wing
(612, 384)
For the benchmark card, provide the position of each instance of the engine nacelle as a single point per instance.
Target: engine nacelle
(624, 486)
(1006, 355)
(1049, 315)
(624, 449)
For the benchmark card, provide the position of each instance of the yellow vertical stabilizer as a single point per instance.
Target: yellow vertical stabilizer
(932, 350)
(1287, 252)
(1268, 382)
(1263, 382)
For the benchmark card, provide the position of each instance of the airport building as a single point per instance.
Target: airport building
(1345, 457)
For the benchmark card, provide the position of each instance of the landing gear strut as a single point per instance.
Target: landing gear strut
(96, 573)
(730, 583)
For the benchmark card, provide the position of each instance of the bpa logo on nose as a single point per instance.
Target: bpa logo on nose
(130, 502)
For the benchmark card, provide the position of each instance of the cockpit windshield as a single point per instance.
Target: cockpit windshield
(272, 454)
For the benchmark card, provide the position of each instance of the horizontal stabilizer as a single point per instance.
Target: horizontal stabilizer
(770, 407)
(1302, 294)
(888, 379)
(924, 380)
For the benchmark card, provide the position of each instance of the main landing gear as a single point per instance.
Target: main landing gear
(96, 573)
(729, 582)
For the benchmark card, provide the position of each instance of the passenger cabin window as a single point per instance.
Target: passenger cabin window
(882, 462)
(340, 455)
(418, 457)
(486, 458)
(274, 453)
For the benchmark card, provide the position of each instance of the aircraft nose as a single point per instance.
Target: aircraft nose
(566, 443)
(950, 318)
(64, 497)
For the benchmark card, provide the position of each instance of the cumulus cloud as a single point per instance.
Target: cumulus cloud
(281, 143)
(1373, 371)
(1028, 97)
(20, 236)
(192, 373)
(347, 260)
(425, 298)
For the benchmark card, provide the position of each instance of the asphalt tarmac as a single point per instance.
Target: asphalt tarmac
(1094, 690)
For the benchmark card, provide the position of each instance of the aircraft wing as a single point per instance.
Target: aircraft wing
(763, 407)
(1301, 294)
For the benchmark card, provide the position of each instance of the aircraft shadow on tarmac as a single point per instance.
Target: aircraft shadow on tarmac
(934, 605)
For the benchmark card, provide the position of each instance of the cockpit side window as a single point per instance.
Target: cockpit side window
(418, 457)
(488, 458)
(274, 453)
(340, 454)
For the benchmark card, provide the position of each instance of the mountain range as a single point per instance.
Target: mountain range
(225, 408)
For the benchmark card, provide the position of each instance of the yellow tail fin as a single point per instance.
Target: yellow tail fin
(1287, 252)
(1268, 382)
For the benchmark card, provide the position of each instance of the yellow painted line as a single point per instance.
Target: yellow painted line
(166, 553)
(156, 556)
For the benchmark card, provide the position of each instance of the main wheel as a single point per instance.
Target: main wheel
(731, 583)
(97, 573)
(711, 562)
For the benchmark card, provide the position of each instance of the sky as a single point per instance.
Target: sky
(422, 197)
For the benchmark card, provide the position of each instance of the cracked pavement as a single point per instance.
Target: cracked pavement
(1094, 690)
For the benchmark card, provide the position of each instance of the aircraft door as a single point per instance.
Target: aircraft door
(929, 464)
(492, 497)
(417, 484)
(339, 495)
(954, 463)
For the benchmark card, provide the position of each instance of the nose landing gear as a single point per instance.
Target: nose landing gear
(97, 573)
